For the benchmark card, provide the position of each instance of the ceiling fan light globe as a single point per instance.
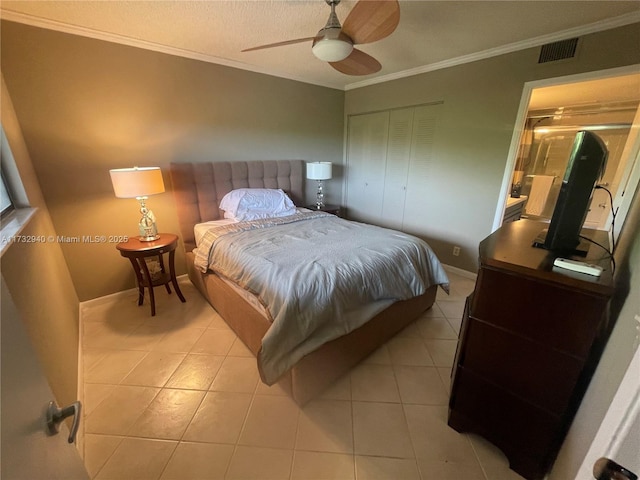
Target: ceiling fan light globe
(332, 49)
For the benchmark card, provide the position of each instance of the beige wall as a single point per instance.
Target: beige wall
(37, 277)
(481, 101)
(86, 106)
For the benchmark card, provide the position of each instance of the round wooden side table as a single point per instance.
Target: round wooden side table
(137, 251)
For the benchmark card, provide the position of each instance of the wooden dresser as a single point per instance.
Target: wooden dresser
(530, 340)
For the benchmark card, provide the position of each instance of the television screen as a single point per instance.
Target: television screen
(586, 165)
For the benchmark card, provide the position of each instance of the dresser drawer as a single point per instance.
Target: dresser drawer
(559, 318)
(543, 377)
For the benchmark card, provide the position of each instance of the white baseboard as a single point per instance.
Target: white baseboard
(460, 272)
(94, 302)
(113, 296)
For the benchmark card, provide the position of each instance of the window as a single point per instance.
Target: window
(14, 203)
(13, 195)
(5, 199)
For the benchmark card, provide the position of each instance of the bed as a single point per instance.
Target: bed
(198, 190)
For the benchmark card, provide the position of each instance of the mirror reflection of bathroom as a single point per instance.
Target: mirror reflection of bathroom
(607, 107)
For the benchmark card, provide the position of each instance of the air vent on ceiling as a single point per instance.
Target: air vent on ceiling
(558, 50)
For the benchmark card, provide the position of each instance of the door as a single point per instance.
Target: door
(618, 437)
(417, 220)
(396, 168)
(27, 451)
(366, 160)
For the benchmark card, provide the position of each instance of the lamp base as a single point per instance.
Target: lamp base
(319, 196)
(149, 239)
(147, 226)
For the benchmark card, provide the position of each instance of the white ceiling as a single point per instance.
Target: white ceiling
(431, 34)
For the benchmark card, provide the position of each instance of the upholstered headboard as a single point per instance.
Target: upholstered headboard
(199, 187)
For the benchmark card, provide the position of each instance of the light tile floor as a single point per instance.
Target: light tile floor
(178, 396)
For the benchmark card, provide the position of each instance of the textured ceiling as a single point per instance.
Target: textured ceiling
(431, 34)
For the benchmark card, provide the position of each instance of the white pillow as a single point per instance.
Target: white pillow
(255, 203)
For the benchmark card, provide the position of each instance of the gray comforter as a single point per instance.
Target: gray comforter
(319, 277)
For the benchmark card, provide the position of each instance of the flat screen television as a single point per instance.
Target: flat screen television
(586, 165)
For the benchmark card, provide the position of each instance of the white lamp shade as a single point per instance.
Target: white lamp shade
(332, 49)
(137, 181)
(319, 170)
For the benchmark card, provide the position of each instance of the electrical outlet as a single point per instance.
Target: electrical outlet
(456, 251)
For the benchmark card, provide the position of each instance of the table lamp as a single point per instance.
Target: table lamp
(319, 171)
(139, 183)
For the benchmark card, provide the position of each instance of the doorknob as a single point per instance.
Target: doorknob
(55, 416)
(607, 469)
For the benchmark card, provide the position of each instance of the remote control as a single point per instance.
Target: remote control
(577, 266)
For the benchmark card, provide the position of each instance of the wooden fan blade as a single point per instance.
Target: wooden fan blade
(372, 20)
(358, 63)
(278, 44)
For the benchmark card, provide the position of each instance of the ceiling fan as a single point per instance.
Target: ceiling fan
(368, 21)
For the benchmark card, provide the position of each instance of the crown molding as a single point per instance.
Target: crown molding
(33, 21)
(608, 24)
(146, 45)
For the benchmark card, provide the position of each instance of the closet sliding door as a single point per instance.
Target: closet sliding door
(418, 211)
(397, 168)
(388, 166)
(367, 157)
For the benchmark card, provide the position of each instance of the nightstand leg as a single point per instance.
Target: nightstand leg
(166, 285)
(172, 272)
(136, 270)
(147, 275)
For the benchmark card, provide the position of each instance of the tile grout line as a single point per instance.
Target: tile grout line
(122, 438)
(236, 444)
(180, 440)
(244, 421)
(127, 434)
(204, 396)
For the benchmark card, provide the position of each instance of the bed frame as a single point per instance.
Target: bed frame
(198, 189)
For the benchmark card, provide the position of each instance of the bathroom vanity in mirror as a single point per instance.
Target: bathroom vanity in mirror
(514, 209)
